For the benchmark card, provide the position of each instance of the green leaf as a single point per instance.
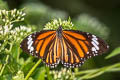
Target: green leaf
(27, 67)
(14, 51)
(48, 73)
(114, 53)
(2, 78)
(7, 77)
(40, 74)
(3, 5)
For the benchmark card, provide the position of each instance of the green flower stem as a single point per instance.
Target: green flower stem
(4, 65)
(18, 54)
(0, 66)
(33, 68)
(96, 72)
(6, 61)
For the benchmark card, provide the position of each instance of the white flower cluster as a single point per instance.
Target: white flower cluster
(62, 74)
(8, 17)
(9, 34)
(5, 29)
(54, 24)
(18, 32)
(15, 33)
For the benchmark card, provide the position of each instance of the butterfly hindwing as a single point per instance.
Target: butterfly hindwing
(79, 46)
(69, 58)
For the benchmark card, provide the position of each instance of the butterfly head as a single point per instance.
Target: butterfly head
(59, 28)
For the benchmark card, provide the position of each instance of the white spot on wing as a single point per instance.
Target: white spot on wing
(95, 45)
(87, 52)
(93, 36)
(31, 49)
(94, 39)
(30, 43)
(94, 50)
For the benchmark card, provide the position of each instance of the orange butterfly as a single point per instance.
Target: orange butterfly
(70, 47)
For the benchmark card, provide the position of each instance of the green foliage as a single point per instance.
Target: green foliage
(19, 76)
(3, 5)
(38, 13)
(15, 65)
(88, 74)
(115, 52)
(10, 38)
(90, 24)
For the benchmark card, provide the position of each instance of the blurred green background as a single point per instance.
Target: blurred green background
(100, 17)
(41, 11)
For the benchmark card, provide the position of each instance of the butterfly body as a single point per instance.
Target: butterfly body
(59, 32)
(70, 47)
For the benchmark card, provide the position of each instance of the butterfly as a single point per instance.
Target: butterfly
(70, 47)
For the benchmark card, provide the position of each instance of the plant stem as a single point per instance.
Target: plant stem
(33, 68)
(18, 54)
(4, 65)
(96, 72)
